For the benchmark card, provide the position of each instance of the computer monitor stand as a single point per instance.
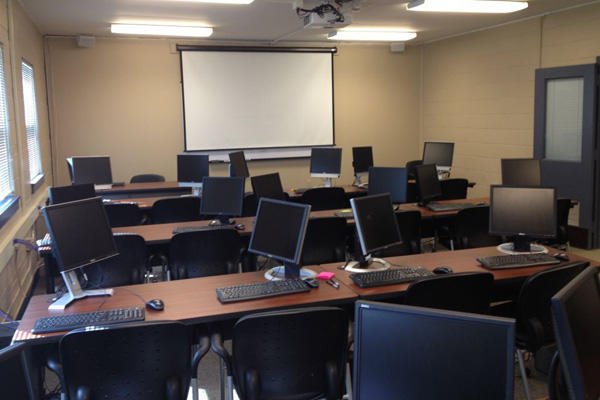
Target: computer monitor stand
(521, 244)
(367, 264)
(222, 221)
(74, 291)
(327, 182)
(196, 187)
(289, 271)
(358, 180)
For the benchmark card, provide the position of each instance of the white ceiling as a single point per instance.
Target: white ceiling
(263, 20)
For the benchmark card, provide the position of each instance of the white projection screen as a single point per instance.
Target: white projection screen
(270, 100)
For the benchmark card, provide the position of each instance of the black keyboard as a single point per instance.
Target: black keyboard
(449, 206)
(389, 276)
(184, 229)
(517, 260)
(251, 291)
(73, 321)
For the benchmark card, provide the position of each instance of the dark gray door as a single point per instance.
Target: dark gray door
(565, 138)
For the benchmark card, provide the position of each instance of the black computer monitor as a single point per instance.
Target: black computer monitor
(428, 183)
(438, 153)
(94, 170)
(63, 194)
(81, 235)
(388, 180)
(222, 197)
(414, 353)
(376, 229)
(326, 163)
(521, 172)
(191, 169)
(237, 164)
(279, 234)
(362, 160)
(524, 213)
(576, 314)
(268, 185)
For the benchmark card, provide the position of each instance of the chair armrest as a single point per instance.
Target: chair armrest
(216, 345)
(56, 367)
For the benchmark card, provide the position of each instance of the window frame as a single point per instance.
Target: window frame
(38, 180)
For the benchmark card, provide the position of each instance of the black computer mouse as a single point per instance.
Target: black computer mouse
(155, 304)
(240, 227)
(442, 270)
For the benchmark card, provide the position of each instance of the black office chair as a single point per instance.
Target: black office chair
(470, 229)
(249, 205)
(147, 178)
(409, 223)
(453, 189)
(147, 360)
(124, 214)
(126, 268)
(325, 241)
(325, 198)
(534, 328)
(62, 194)
(467, 292)
(295, 354)
(216, 251)
(410, 168)
(176, 209)
(15, 375)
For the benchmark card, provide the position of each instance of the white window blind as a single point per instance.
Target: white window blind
(6, 179)
(31, 122)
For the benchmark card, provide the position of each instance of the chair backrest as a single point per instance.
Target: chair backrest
(563, 206)
(126, 268)
(291, 354)
(467, 292)
(15, 378)
(148, 360)
(208, 252)
(534, 317)
(455, 188)
(63, 194)
(250, 205)
(409, 223)
(471, 228)
(325, 198)
(325, 241)
(410, 168)
(123, 214)
(176, 209)
(147, 178)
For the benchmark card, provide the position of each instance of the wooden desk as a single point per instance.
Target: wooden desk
(144, 189)
(192, 301)
(350, 190)
(459, 261)
(144, 203)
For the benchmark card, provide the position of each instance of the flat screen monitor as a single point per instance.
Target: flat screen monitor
(362, 159)
(576, 313)
(376, 228)
(326, 163)
(192, 168)
(94, 170)
(428, 183)
(521, 172)
(222, 197)
(64, 194)
(414, 353)
(279, 234)
(237, 164)
(438, 153)
(81, 235)
(388, 180)
(525, 213)
(268, 185)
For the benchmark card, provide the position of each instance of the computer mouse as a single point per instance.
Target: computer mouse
(240, 227)
(561, 256)
(442, 270)
(155, 304)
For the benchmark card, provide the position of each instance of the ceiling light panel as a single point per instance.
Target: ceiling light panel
(162, 30)
(373, 35)
(467, 6)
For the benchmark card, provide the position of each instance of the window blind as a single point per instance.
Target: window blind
(6, 179)
(31, 122)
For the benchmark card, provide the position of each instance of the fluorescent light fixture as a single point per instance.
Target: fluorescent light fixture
(162, 30)
(373, 35)
(467, 6)
(223, 1)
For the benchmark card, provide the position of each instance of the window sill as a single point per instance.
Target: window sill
(8, 208)
(36, 183)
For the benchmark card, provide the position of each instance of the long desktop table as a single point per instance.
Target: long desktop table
(193, 301)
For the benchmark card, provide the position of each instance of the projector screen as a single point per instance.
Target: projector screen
(268, 101)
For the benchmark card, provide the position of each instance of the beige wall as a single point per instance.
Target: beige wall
(20, 40)
(122, 97)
